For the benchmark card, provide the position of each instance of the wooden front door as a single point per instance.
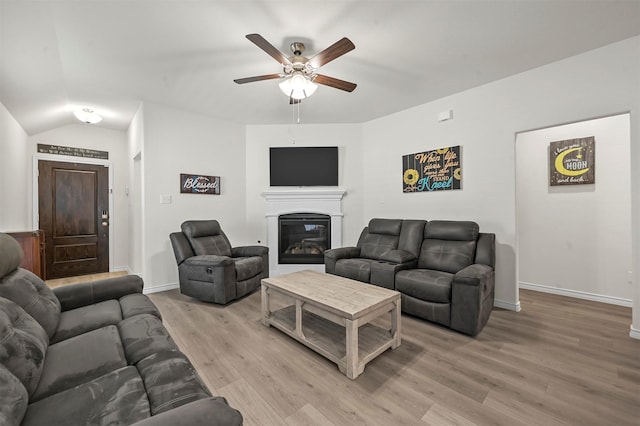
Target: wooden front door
(73, 205)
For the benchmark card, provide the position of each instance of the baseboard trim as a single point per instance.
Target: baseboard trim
(634, 333)
(159, 288)
(577, 294)
(507, 305)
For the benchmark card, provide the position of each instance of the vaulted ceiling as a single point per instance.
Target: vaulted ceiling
(111, 55)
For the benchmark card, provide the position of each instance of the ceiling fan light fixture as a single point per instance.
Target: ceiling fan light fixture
(298, 86)
(87, 115)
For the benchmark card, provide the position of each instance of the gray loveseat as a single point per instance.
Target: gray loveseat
(92, 354)
(444, 270)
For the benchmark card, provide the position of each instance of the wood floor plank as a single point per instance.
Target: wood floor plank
(308, 416)
(439, 415)
(559, 361)
(255, 410)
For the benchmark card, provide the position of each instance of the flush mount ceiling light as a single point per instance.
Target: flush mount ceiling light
(87, 115)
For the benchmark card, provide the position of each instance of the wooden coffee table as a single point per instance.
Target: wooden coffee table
(332, 315)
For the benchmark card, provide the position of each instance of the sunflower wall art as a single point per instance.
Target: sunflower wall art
(437, 170)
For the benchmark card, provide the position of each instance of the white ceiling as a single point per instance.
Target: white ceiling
(110, 54)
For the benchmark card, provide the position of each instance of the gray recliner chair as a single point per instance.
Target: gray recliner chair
(454, 281)
(210, 269)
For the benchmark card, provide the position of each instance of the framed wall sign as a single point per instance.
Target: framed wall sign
(72, 151)
(437, 170)
(199, 184)
(572, 162)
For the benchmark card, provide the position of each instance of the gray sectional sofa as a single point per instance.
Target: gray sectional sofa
(92, 354)
(444, 270)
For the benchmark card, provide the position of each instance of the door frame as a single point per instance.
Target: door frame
(68, 159)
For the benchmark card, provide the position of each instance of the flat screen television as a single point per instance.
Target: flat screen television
(303, 166)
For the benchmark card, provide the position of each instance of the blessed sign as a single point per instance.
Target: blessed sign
(572, 162)
(199, 184)
(437, 170)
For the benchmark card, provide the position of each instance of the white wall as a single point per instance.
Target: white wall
(135, 142)
(175, 142)
(15, 175)
(348, 139)
(115, 143)
(485, 123)
(575, 240)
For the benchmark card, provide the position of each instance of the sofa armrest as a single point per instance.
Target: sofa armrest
(83, 294)
(397, 256)
(211, 260)
(248, 251)
(210, 411)
(342, 253)
(472, 291)
(331, 256)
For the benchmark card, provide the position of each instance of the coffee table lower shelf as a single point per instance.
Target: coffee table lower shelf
(330, 339)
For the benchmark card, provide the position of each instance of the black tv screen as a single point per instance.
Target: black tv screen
(303, 166)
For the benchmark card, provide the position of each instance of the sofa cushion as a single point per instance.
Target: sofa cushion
(213, 411)
(385, 227)
(382, 236)
(170, 380)
(27, 290)
(452, 230)
(357, 269)
(448, 246)
(425, 284)
(13, 398)
(137, 304)
(80, 359)
(143, 335)
(446, 256)
(247, 267)
(88, 318)
(10, 254)
(116, 398)
(374, 245)
(23, 344)
(206, 237)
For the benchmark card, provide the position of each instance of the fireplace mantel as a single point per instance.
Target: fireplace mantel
(301, 200)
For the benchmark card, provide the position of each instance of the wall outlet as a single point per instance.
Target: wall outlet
(165, 199)
(630, 277)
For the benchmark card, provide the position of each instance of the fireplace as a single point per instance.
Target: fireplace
(303, 237)
(305, 201)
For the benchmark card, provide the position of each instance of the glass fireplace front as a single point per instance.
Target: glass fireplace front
(303, 237)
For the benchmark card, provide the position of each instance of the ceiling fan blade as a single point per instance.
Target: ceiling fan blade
(332, 52)
(263, 44)
(256, 78)
(334, 82)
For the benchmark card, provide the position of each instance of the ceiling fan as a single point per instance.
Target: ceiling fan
(299, 74)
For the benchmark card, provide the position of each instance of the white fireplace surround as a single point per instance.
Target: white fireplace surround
(319, 201)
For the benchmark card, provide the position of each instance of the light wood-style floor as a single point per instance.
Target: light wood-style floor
(560, 361)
